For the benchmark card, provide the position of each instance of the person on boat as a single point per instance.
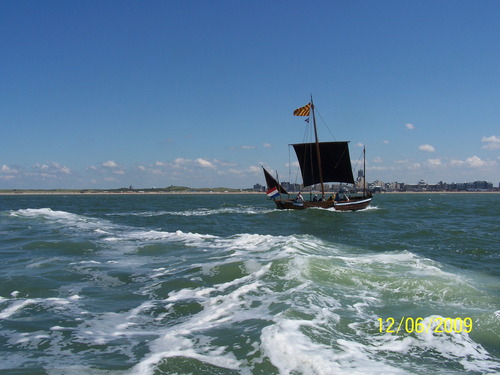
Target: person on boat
(341, 196)
(315, 199)
(299, 198)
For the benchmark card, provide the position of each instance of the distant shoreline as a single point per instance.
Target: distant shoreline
(98, 192)
(49, 192)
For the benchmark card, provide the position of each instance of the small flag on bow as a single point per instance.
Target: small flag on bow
(273, 192)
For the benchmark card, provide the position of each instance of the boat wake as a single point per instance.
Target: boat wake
(149, 301)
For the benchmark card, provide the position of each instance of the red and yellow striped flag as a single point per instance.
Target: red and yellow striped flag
(303, 111)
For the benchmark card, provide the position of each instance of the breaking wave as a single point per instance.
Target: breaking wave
(147, 301)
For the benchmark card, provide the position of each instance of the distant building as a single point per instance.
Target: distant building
(394, 186)
(440, 186)
(258, 187)
(380, 186)
(288, 186)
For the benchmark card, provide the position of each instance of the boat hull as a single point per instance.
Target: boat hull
(351, 205)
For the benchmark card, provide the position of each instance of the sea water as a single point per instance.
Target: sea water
(227, 284)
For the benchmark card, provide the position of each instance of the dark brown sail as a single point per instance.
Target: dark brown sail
(271, 182)
(335, 162)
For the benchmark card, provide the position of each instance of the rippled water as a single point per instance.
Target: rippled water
(226, 284)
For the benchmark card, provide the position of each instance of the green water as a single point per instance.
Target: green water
(226, 284)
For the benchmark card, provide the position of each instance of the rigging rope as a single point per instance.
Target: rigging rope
(324, 123)
(358, 162)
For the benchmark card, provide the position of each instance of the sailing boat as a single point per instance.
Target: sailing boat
(320, 162)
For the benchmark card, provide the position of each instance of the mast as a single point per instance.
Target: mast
(364, 171)
(317, 151)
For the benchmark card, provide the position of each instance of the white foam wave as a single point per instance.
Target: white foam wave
(109, 232)
(292, 351)
(250, 242)
(45, 212)
(455, 346)
(370, 208)
(396, 263)
(134, 236)
(332, 209)
(283, 341)
(239, 210)
(223, 210)
(67, 219)
(297, 294)
(182, 347)
(15, 307)
(223, 305)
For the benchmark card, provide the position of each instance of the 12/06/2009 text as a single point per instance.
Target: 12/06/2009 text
(435, 324)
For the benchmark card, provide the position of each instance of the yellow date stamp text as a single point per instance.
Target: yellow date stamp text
(436, 324)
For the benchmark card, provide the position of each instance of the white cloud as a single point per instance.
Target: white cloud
(8, 173)
(408, 164)
(266, 145)
(254, 169)
(65, 170)
(413, 166)
(456, 163)
(434, 163)
(106, 167)
(378, 159)
(475, 162)
(224, 163)
(379, 169)
(410, 126)
(52, 170)
(110, 164)
(179, 162)
(204, 163)
(492, 143)
(7, 169)
(155, 169)
(113, 167)
(426, 148)
(250, 170)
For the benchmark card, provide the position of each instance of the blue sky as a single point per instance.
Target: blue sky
(106, 94)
